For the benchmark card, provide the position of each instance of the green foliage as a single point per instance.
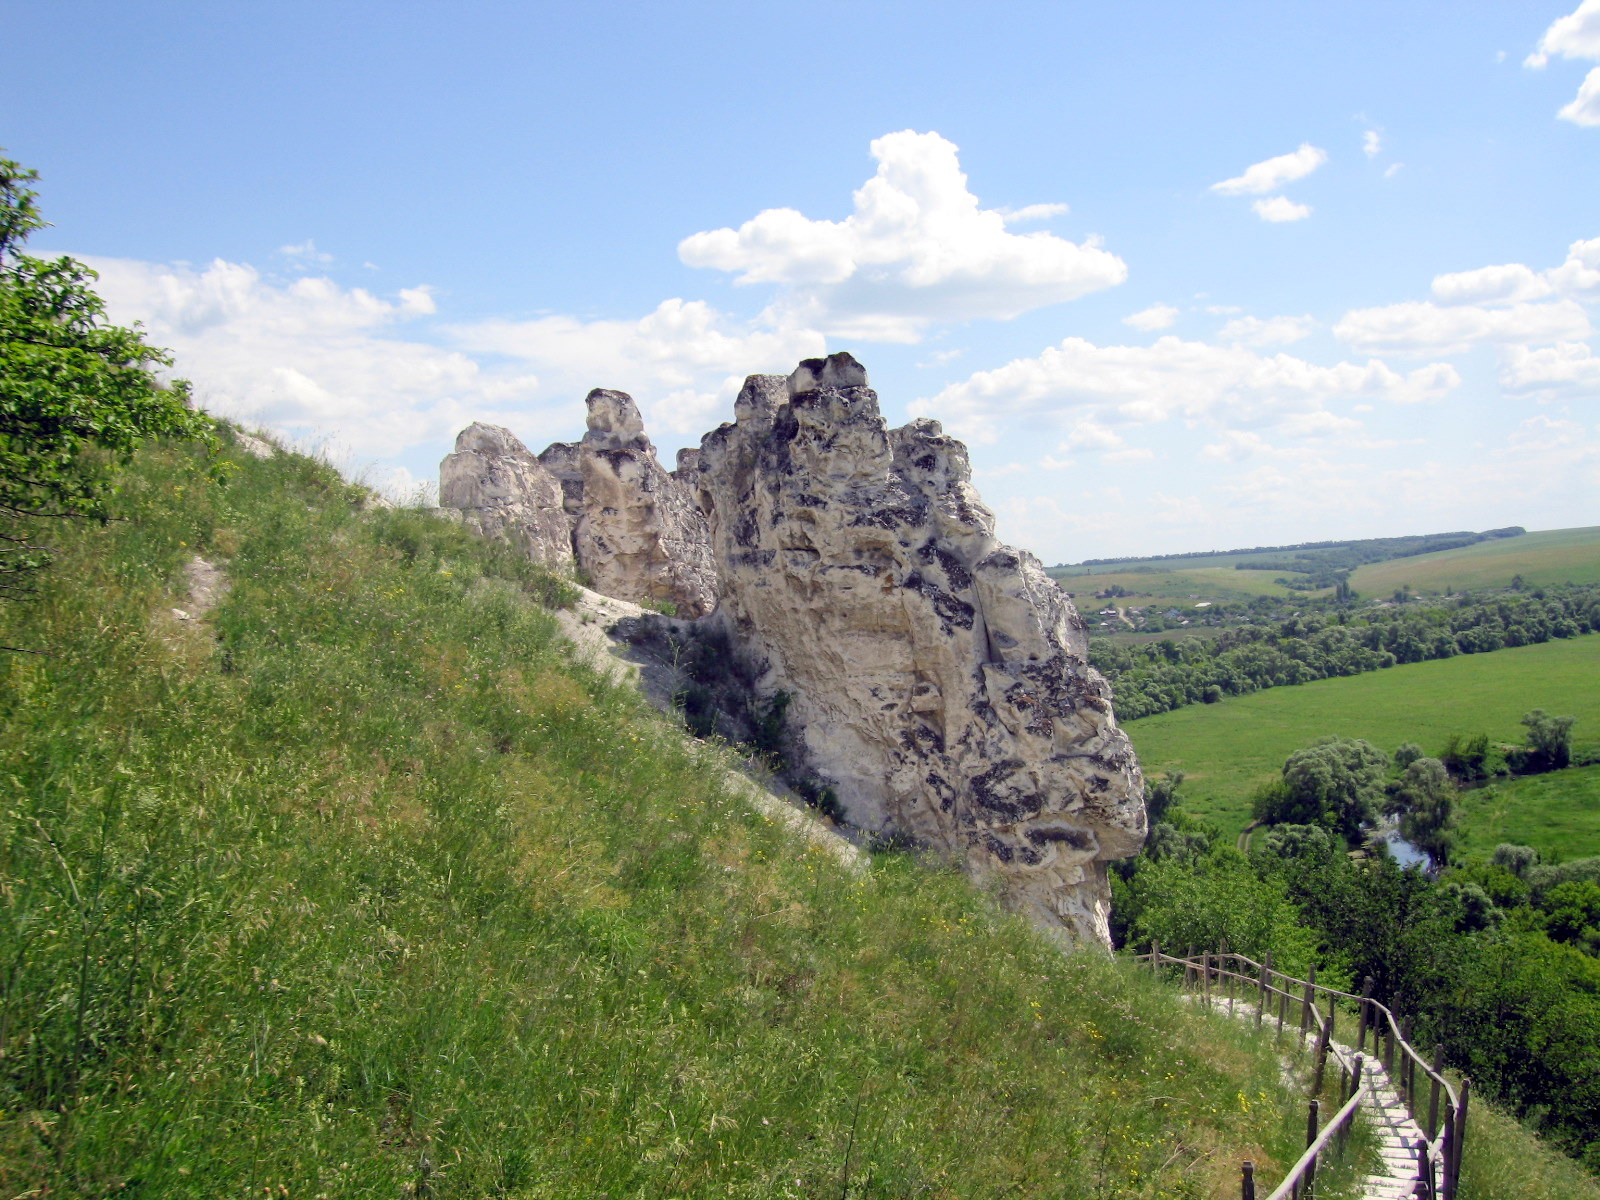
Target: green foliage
(359, 886)
(1157, 676)
(1572, 911)
(1549, 741)
(76, 394)
(1516, 859)
(1229, 749)
(1425, 798)
(1336, 782)
(1214, 901)
(1406, 753)
(1160, 795)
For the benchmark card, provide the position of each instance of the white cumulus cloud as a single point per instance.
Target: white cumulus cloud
(1278, 209)
(1157, 316)
(1567, 370)
(1423, 328)
(307, 357)
(680, 361)
(917, 248)
(1576, 35)
(1371, 143)
(1273, 173)
(1078, 381)
(1510, 283)
(1584, 108)
(1273, 331)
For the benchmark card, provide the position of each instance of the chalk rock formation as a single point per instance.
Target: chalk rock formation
(639, 536)
(561, 460)
(936, 677)
(502, 491)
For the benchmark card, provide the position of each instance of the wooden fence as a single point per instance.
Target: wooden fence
(1438, 1108)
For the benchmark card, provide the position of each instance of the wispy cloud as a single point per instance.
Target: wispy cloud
(1273, 173)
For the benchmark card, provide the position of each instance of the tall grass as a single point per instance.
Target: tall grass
(359, 887)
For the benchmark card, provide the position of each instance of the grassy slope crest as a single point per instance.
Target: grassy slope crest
(359, 886)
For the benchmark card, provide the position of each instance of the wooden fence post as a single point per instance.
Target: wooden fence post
(1188, 968)
(1458, 1137)
(1322, 1060)
(1205, 978)
(1266, 970)
(1366, 1014)
(1305, 1009)
(1247, 1181)
(1355, 1086)
(1155, 957)
(1433, 1093)
(1311, 1167)
(1408, 1068)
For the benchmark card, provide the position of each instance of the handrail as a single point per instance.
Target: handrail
(1439, 1151)
(1305, 1165)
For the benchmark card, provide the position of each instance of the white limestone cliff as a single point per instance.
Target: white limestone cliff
(501, 490)
(937, 678)
(639, 536)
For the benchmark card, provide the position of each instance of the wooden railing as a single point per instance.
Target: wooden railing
(1439, 1110)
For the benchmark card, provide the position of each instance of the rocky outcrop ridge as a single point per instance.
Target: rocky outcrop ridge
(639, 536)
(604, 505)
(937, 678)
(501, 490)
(932, 679)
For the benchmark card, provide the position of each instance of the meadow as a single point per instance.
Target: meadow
(1558, 814)
(1227, 749)
(1180, 589)
(1548, 557)
(360, 886)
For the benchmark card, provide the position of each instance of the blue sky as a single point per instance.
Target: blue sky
(1184, 276)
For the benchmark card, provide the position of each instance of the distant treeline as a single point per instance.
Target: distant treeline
(1155, 677)
(1345, 555)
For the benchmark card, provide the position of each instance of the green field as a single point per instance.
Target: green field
(1176, 589)
(1228, 748)
(1551, 557)
(1558, 813)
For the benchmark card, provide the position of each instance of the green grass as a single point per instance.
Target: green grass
(360, 887)
(1501, 1161)
(1177, 589)
(1228, 748)
(1549, 557)
(1558, 813)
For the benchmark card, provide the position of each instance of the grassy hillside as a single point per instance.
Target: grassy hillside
(1558, 813)
(358, 887)
(1230, 747)
(1549, 557)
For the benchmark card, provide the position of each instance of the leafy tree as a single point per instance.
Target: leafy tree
(1406, 753)
(1425, 797)
(1573, 909)
(1161, 794)
(1516, 859)
(1337, 782)
(77, 394)
(1549, 741)
(1214, 900)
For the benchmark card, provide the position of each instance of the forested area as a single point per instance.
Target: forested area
(1494, 960)
(1158, 676)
